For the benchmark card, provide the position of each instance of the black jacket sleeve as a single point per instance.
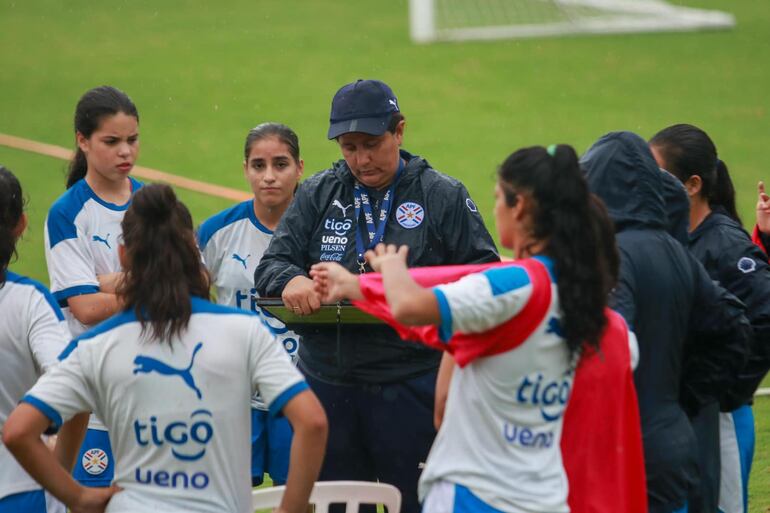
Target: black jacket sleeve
(287, 255)
(466, 239)
(622, 296)
(744, 271)
(717, 344)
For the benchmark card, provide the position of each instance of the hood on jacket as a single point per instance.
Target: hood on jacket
(621, 170)
(677, 207)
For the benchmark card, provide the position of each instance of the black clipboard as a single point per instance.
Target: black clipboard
(343, 313)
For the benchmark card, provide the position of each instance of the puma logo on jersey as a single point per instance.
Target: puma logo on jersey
(105, 240)
(241, 260)
(147, 364)
(337, 204)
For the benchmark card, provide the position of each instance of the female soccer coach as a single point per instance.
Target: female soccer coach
(376, 388)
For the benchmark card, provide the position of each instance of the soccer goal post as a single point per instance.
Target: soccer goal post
(463, 20)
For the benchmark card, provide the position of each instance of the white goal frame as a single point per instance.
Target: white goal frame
(624, 16)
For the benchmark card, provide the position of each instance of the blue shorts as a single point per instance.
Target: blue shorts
(26, 502)
(94, 465)
(270, 447)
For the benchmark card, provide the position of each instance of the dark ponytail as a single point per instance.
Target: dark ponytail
(576, 230)
(723, 192)
(92, 108)
(11, 209)
(687, 151)
(163, 268)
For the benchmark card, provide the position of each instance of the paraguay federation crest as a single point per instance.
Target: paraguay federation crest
(410, 215)
(95, 461)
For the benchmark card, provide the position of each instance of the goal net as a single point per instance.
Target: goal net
(461, 20)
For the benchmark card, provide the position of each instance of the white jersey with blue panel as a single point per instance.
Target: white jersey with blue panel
(178, 412)
(33, 333)
(81, 243)
(503, 420)
(232, 244)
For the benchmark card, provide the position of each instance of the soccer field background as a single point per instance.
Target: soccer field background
(203, 73)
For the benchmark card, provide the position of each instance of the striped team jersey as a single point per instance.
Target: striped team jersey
(232, 243)
(177, 411)
(33, 333)
(81, 242)
(503, 421)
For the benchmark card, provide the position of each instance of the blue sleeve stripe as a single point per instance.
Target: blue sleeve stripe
(445, 328)
(61, 296)
(61, 216)
(68, 350)
(46, 410)
(23, 280)
(103, 327)
(213, 224)
(506, 279)
(287, 395)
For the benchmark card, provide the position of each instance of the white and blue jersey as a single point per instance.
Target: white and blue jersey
(499, 442)
(177, 411)
(232, 244)
(32, 334)
(81, 243)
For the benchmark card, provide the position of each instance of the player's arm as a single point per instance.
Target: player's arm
(90, 309)
(443, 380)
(70, 439)
(308, 445)
(109, 282)
(21, 435)
(410, 303)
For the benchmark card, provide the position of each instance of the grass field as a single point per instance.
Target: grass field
(203, 73)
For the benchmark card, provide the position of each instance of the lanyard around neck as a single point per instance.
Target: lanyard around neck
(375, 232)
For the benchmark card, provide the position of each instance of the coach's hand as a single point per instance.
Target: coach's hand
(300, 296)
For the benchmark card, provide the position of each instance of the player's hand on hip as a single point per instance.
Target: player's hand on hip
(300, 296)
(763, 209)
(94, 500)
(382, 254)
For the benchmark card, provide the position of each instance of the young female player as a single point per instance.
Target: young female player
(232, 243)
(33, 333)
(498, 446)
(171, 375)
(719, 241)
(82, 233)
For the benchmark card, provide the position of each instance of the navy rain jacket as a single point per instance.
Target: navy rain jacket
(673, 307)
(728, 254)
(320, 225)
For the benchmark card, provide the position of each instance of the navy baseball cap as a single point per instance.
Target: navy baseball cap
(362, 106)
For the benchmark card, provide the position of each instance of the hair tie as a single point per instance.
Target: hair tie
(551, 150)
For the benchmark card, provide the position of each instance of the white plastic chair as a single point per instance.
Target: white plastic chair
(351, 493)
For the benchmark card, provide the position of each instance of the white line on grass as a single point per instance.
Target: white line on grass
(139, 171)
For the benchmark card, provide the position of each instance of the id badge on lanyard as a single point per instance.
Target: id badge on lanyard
(374, 230)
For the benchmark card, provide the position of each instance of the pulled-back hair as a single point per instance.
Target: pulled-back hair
(278, 130)
(689, 151)
(163, 268)
(11, 209)
(93, 107)
(576, 232)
